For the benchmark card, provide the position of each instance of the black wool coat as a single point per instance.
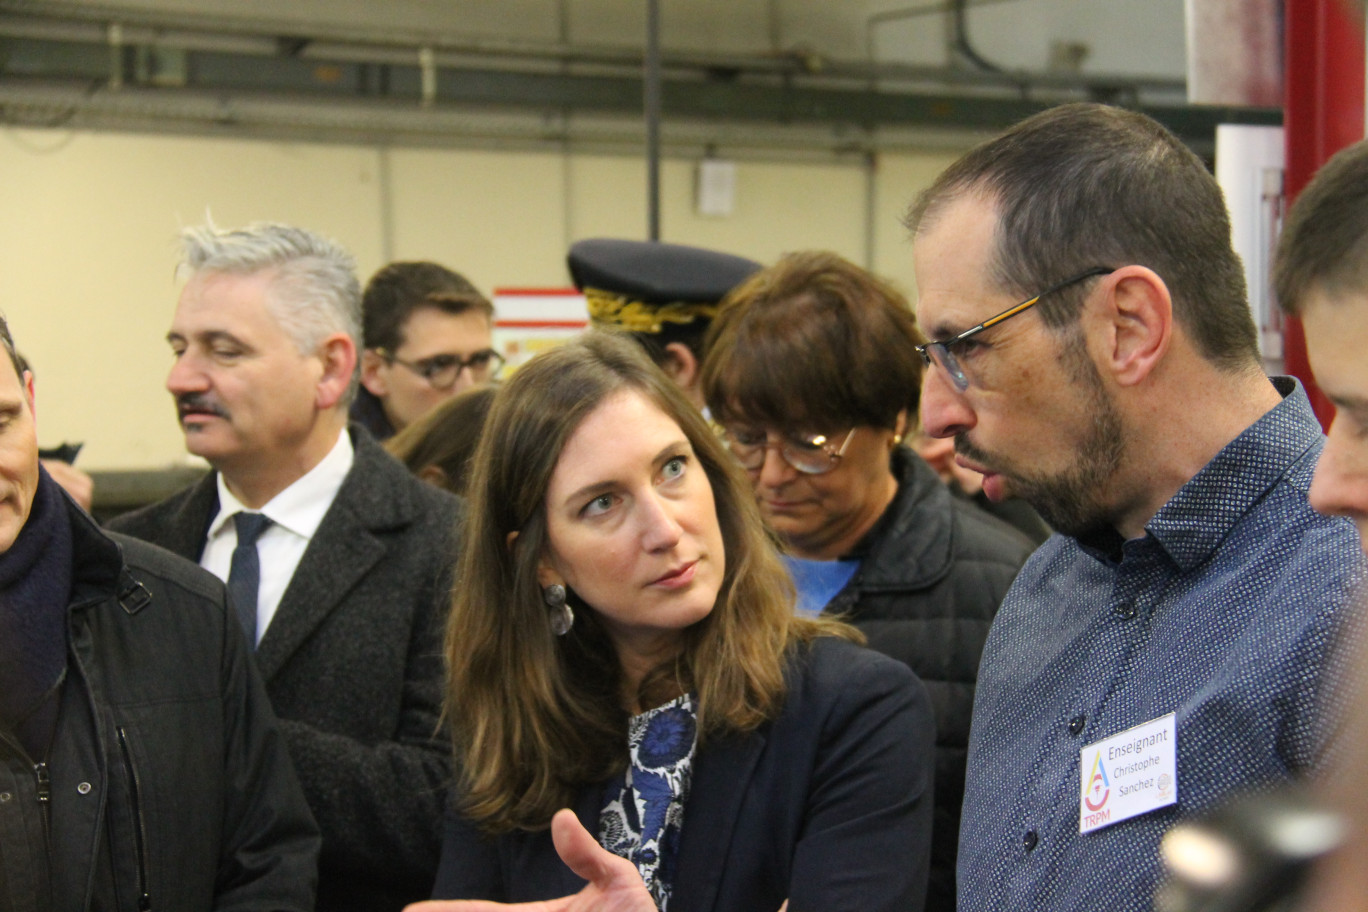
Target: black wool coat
(353, 665)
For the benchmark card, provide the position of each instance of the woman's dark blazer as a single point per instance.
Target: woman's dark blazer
(828, 806)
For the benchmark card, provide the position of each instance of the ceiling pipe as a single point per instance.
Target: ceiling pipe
(964, 46)
(335, 44)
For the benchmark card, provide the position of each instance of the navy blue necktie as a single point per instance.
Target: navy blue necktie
(244, 574)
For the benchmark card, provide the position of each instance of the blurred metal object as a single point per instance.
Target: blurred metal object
(1251, 855)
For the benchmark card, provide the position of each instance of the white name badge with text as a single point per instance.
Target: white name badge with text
(1128, 774)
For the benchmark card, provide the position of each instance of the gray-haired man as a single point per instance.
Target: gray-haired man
(338, 559)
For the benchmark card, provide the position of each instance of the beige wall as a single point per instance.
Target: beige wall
(88, 226)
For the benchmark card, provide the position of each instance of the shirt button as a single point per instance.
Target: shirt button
(83, 788)
(5, 797)
(1030, 840)
(1076, 724)
(1124, 612)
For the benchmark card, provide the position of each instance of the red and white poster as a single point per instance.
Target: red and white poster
(531, 320)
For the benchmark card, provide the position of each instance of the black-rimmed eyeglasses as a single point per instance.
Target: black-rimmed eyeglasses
(943, 351)
(442, 371)
(811, 455)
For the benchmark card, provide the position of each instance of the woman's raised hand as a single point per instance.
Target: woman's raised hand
(614, 884)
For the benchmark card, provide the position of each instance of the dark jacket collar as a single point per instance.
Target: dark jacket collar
(372, 490)
(369, 494)
(97, 560)
(368, 411)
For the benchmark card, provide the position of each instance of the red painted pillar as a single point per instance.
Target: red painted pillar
(1322, 113)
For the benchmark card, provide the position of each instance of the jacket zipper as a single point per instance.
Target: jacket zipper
(139, 833)
(44, 778)
(40, 772)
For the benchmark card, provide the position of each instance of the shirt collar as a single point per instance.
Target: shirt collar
(1204, 511)
(300, 507)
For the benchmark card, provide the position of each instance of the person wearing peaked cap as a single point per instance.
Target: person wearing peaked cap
(663, 295)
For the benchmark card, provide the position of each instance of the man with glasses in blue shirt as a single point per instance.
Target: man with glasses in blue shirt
(1093, 353)
(428, 335)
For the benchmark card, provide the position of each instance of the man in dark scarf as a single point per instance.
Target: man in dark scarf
(35, 584)
(140, 762)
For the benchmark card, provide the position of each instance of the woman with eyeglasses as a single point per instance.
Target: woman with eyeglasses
(811, 369)
(622, 644)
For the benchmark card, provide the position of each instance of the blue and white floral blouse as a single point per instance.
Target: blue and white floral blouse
(644, 810)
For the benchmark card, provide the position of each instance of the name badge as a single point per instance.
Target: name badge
(1128, 774)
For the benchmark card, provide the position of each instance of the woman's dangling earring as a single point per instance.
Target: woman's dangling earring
(562, 617)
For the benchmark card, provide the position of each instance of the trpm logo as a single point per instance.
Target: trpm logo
(1098, 790)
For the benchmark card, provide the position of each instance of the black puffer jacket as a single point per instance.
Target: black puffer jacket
(169, 786)
(933, 571)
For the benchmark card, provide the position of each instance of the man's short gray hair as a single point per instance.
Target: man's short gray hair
(314, 292)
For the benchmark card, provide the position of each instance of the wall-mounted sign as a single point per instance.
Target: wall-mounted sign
(531, 320)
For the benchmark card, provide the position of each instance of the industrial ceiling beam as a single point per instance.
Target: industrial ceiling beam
(710, 96)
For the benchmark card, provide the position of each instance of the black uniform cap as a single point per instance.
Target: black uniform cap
(640, 285)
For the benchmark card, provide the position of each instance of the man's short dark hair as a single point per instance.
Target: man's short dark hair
(1085, 185)
(8, 341)
(397, 290)
(1324, 243)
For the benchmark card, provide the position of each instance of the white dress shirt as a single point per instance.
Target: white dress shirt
(295, 515)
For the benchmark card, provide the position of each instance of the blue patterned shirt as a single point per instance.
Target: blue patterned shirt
(643, 814)
(1224, 614)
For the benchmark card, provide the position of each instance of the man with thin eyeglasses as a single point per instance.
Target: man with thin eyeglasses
(1092, 352)
(428, 335)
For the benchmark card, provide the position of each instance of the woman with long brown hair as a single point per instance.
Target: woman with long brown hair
(623, 643)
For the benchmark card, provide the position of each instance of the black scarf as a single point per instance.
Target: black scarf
(35, 587)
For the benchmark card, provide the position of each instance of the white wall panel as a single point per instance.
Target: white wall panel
(494, 217)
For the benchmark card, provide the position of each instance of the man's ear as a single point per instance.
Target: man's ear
(337, 354)
(27, 381)
(434, 474)
(681, 364)
(1137, 324)
(372, 378)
